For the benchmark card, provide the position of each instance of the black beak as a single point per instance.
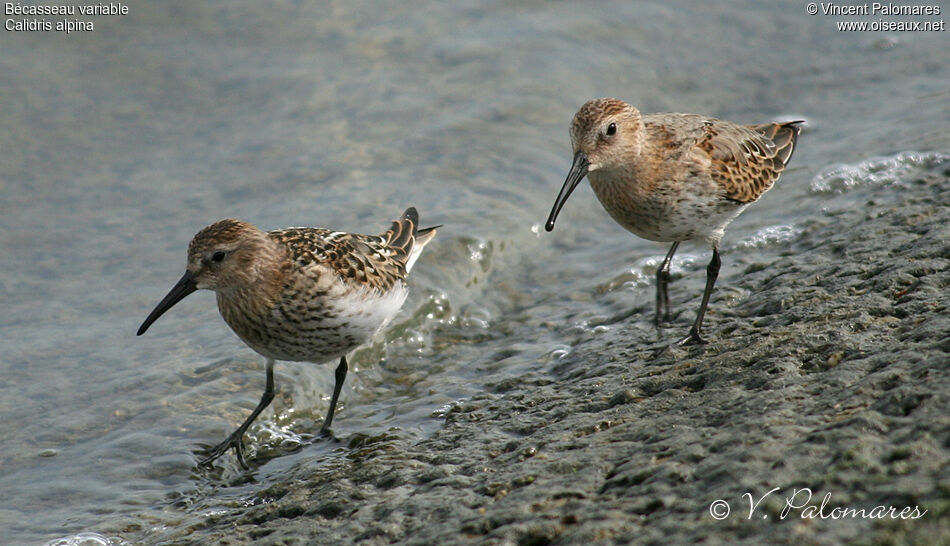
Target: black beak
(578, 172)
(186, 285)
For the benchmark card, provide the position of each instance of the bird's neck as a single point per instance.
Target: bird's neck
(258, 289)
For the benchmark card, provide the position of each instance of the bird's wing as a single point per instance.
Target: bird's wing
(747, 159)
(367, 260)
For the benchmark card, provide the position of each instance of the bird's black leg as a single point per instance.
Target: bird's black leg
(234, 440)
(712, 272)
(662, 282)
(337, 387)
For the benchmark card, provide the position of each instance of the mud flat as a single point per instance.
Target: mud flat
(831, 373)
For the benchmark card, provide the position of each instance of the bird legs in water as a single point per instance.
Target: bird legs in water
(663, 279)
(337, 386)
(234, 440)
(663, 299)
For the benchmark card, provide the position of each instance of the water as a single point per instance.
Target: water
(119, 144)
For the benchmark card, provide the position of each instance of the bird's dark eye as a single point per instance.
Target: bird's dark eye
(218, 256)
(611, 129)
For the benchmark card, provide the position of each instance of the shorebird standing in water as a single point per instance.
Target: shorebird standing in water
(674, 177)
(299, 294)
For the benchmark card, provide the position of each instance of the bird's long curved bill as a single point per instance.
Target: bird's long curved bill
(186, 285)
(578, 172)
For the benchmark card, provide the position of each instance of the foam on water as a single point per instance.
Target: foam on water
(884, 170)
(769, 235)
(87, 539)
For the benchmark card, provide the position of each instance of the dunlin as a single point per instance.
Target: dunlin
(674, 177)
(299, 294)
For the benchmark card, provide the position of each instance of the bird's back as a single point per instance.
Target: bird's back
(694, 175)
(339, 289)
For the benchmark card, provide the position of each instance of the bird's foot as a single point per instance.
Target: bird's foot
(693, 338)
(232, 441)
(326, 433)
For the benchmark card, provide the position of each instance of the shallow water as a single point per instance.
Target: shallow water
(119, 144)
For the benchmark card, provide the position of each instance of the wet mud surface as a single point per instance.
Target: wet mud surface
(831, 373)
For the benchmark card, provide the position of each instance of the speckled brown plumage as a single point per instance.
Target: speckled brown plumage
(747, 159)
(359, 259)
(674, 177)
(300, 294)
